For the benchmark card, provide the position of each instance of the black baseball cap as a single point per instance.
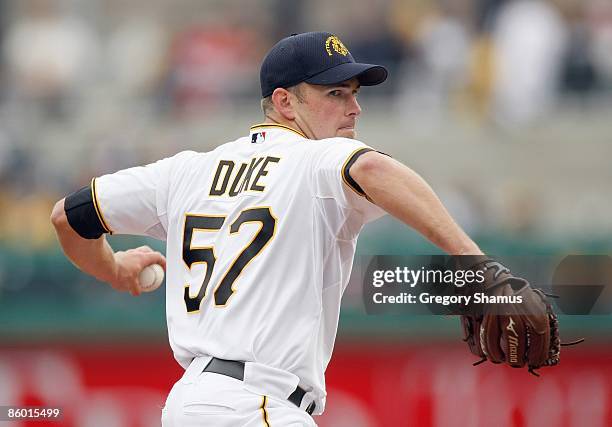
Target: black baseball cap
(316, 58)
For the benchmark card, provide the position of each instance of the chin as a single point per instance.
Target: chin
(347, 133)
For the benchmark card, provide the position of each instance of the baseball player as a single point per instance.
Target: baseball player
(260, 234)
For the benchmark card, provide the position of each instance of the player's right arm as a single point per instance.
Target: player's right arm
(95, 256)
(131, 201)
(404, 194)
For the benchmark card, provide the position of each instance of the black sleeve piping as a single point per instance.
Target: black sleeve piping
(346, 176)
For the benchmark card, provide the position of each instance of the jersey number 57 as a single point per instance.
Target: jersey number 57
(193, 255)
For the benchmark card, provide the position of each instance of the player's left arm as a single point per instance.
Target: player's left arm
(404, 194)
(524, 334)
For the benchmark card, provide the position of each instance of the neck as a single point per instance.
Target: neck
(289, 123)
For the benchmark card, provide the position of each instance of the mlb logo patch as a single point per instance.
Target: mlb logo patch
(258, 138)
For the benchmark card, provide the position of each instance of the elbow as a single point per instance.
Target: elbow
(58, 216)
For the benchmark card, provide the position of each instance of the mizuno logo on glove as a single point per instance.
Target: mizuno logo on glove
(512, 342)
(510, 327)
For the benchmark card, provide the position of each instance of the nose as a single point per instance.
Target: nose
(353, 108)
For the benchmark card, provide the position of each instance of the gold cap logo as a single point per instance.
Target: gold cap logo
(334, 43)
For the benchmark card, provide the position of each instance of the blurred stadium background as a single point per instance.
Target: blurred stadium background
(504, 106)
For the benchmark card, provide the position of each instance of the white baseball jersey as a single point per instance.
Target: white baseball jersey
(261, 234)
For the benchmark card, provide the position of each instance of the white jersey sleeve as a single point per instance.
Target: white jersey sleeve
(331, 180)
(135, 200)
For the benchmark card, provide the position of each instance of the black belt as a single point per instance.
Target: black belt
(235, 369)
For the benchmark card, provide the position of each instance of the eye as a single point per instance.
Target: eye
(335, 93)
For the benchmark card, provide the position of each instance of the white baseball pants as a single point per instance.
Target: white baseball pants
(209, 399)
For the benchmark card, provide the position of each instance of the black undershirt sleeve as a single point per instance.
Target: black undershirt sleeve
(82, 214)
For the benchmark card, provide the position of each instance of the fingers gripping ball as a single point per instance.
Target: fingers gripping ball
(150, 278)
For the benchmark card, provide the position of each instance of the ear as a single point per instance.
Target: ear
(283, 101)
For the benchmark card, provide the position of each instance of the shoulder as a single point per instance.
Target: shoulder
(337, 144)
(177, 161)
(336, 150)
(190, 155)
(338, 140)
(185, 156)
(187, 160)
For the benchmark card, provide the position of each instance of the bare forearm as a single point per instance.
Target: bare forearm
(405, 195)
(92, 256)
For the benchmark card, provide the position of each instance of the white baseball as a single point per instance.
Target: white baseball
(150, 278)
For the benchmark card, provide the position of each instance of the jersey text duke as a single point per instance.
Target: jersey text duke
(241, 180)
